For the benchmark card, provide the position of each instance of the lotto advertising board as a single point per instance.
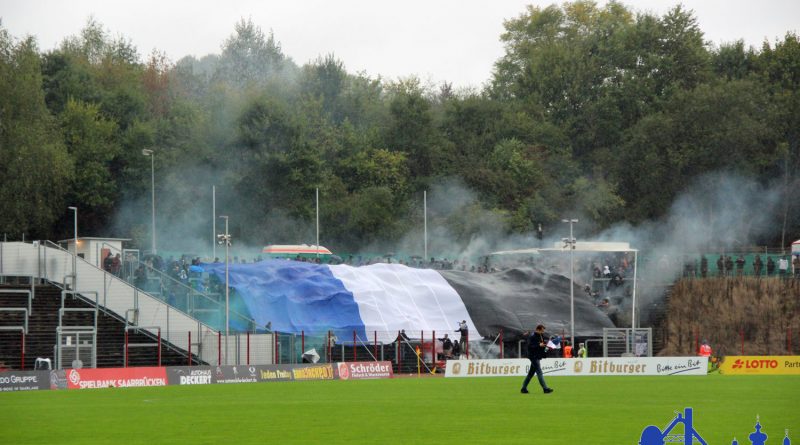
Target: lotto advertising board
(760, 365)
(364, 370)
(24, 380)
(116, 377)
(580, 366)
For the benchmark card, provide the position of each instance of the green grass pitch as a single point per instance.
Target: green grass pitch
(582, 410)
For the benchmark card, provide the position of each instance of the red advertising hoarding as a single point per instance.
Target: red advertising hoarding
(116, 377)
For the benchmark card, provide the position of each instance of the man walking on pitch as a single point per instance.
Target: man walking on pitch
(537, 350)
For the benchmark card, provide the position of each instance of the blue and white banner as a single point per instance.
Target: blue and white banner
(295, 297)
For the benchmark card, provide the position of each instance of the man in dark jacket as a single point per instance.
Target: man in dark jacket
(537, 350)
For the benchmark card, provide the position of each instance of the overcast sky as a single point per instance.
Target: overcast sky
(438, 40)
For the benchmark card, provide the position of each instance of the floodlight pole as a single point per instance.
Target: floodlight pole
(425, 224)
(227, 241)
(148, 152)
(75, 243)
(633, 303)
(214, 221)
(317, 199)
(571, 243)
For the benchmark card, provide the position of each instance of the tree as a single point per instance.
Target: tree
(249, 57)
(89, 140)
(36, 168)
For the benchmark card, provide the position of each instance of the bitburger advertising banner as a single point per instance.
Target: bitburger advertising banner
(24, 380)
(116, 377)
(364, 370)
(760, 365)
(580, 366)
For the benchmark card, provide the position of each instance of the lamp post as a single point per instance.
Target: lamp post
(226, 239)
(152, 155)
(571, 243)
(75, 243)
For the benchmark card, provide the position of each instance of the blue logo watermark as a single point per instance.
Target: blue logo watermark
(652, 435)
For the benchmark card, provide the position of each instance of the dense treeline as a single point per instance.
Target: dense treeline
(592, 111)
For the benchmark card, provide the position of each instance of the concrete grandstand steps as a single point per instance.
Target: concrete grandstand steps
(43, 321)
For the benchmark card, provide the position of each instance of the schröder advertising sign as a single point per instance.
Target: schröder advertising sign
(364, 370)
(760, 364)
(580, 366)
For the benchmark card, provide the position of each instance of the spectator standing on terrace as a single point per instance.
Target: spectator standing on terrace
(464, 331)
(783, 267)
(456, 349)
(116, 265)
(757, 265)
(107, 261)
(140, 277)
(740, 262)
(770, 266)
(721, 266)
(447, 346)
(703, 266)
(729, 265)
(402, 336)
(796, 265)
(536, 352)
(582, 353)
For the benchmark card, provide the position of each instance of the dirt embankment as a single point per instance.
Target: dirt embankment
(761, 314)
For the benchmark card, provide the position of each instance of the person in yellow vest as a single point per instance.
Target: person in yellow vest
(582, 352)
(567, 350)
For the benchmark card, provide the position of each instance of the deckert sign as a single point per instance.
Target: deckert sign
(760, 365)
(364, 370)
(24, 380)
(116, 377)
(580, 366)
(189, 375)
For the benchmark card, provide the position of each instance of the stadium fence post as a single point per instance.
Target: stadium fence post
(275, 336)
(22, 354)
(189, 349)
(126, 348)
(248, 348)
(219, 348)
(159, 347)
(354, 346)
(501, 344)
(302, 343)
(375, 346)
(696, 340)
(789, 340)
(328, 348)
(421, 348)
(399, 356)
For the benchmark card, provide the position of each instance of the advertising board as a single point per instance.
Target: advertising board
(364, 370)
(760, 365)
(116, 377)
(189, 375)
(24, 380)
(580, 366)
